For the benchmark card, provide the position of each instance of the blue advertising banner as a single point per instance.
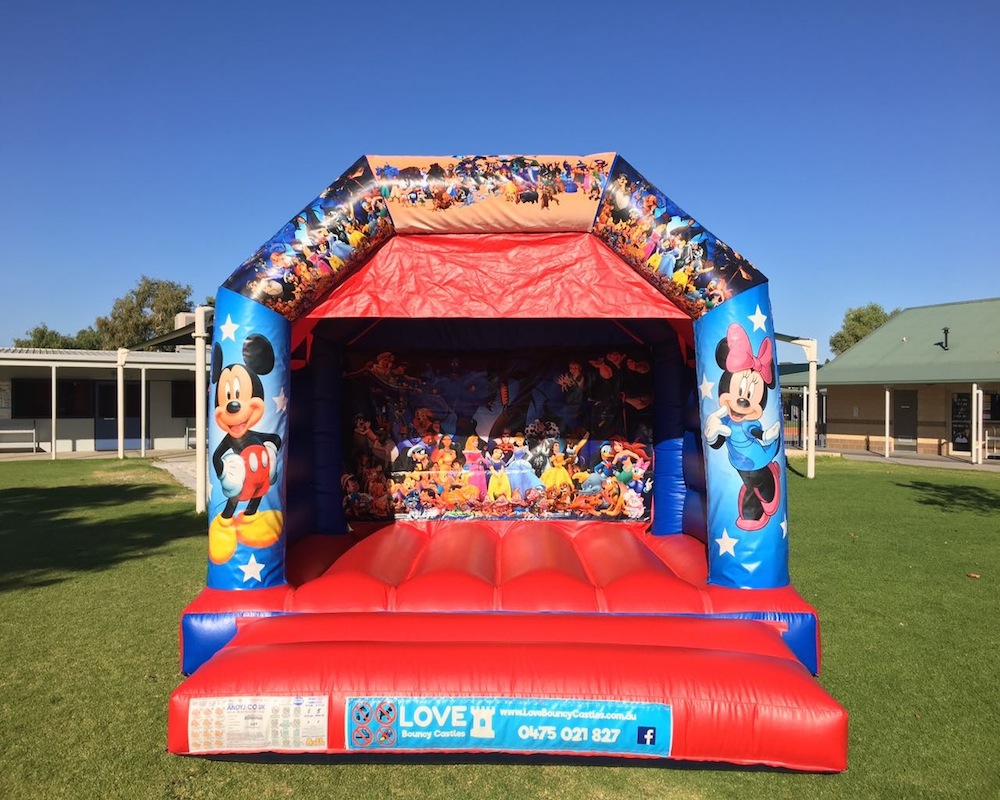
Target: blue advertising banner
(520, 724)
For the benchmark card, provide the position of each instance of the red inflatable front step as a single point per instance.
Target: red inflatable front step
(566, 684)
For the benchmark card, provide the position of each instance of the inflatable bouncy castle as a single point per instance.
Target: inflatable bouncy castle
(496, 462)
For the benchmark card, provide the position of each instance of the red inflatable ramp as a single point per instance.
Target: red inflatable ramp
(564, 684)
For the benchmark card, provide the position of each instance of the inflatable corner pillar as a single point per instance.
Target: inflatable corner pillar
(247, 433)
(740, 403)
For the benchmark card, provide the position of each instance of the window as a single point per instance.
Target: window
(30, 398)
(182, 399)
(107, 399)
(75, 399)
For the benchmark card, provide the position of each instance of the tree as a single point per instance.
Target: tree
(43, 336)
(858, 323)
(146, 311)
(87, 339)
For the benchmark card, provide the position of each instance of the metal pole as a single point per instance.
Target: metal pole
(53, 412)
(813, 412)
(886, 421)
(142, 412)
(810, 409)
(982, 428)
(804, 425)
(973, 439)
(122, 355)
(977, 415)
(812, 351)
(200, 409)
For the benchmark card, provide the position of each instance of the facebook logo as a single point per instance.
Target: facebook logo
(647, 736)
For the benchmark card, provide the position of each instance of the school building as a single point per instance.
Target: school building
(68, 401)
(926, 382)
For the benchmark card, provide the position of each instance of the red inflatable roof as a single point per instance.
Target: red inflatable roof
(502, 276)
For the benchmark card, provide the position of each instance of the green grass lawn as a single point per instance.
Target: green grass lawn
(97, 559)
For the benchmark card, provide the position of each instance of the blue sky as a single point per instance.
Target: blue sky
(848, 149)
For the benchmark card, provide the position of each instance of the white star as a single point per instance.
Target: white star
(228, 328)
(252, 569)
(727, 544)
(784, 528)
(280, 401)
(758, 319)
(705, 387)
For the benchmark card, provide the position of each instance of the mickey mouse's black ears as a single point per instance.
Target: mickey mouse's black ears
(258, 354)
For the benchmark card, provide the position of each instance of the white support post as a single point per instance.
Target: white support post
(976, 433)
(53, 446)
(142, 414)
(810, 409)
(886, 421)
(805, 419)
(973, 437)
(122, 356)
(982, 427)
(200, 409)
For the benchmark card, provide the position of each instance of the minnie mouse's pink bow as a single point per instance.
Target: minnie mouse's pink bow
(741, 355)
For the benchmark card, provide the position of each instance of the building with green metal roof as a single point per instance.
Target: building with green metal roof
(920, 383)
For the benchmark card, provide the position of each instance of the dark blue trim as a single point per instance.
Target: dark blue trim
(801, 636)
(203, 635)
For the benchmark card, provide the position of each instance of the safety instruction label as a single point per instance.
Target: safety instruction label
(256, 723)
(509, 724)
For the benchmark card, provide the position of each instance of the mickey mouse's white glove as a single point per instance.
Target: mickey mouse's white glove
(272, 455)
(234, 473)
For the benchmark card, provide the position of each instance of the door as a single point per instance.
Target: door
(106, 415)
(961, 422)
(904, 415)
(792, 412)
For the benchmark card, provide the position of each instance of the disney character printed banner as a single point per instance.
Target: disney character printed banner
(473, 194)
(667, 246)
(561, 433)
(317, 249)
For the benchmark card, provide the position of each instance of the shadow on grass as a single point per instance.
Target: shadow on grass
(47, 534)
(955, 498)
(483, 759)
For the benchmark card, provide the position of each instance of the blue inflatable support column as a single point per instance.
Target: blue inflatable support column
(671, 385)
(247, 433)
(741, 428)
(695, 500)
(327, 436)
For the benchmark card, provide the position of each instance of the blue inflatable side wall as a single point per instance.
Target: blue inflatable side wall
(671, 385)
(326, 437)
(300, 489)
